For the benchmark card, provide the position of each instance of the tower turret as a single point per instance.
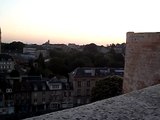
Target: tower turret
(142, 68)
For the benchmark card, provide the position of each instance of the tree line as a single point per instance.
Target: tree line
(62, 62)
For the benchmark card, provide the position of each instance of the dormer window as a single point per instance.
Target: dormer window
(35, 101)
(8, 90)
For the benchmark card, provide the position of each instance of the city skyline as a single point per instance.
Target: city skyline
(81, 22)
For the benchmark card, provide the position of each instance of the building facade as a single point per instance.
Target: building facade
(6, 63)
(84, 80)
(60, 93)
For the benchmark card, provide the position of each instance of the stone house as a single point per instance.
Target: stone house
(6, 98)
(7, 102)
(22, 96)
(37, 91)
(26, 94)
(60, 93)
(84, 80)
(39, 96)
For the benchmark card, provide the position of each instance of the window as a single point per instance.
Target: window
(55, 87)
(35, 94)
(79, 101)
(88, 83)
(55, 97)
(69, 94)
(43, 93)
(43, 99)
(55, 106)
(35, 88)
(35, 100)
(87, 101)
(88, 92)
(43, 87)
(79, 83)
(79, 92)
(65, 95)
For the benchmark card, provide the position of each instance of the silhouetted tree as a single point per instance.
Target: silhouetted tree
(40, 62)
(106, 88)
(91, 48)
(33, 71)
(57, 66)
(16, 47)
(63, 62)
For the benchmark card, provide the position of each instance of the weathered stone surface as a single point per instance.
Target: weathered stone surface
(142, 61)
(138, 105)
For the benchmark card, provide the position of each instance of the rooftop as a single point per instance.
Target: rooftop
(5, 57)
(90, 72)
(144, 32)
(138, 105)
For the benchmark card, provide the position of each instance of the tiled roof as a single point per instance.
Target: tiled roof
(90, 72)
(31, 78)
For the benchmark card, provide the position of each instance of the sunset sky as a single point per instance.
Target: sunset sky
(76, 21)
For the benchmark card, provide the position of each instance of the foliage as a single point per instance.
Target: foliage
(38, 67)
(33, 71)
(63, 62)
(57, 66)
(14, 47)
(40, 62)
(90, 48)
(106, 88)
(114, 59)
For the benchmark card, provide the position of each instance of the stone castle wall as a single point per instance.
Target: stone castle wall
(142, 61)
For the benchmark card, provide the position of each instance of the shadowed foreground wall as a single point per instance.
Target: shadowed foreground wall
(142, 61)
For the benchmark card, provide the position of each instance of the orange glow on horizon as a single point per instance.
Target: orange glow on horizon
(82, 22)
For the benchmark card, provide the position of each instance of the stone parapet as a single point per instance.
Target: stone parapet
(138, 105)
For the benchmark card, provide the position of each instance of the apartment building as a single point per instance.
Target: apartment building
(84, 80)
